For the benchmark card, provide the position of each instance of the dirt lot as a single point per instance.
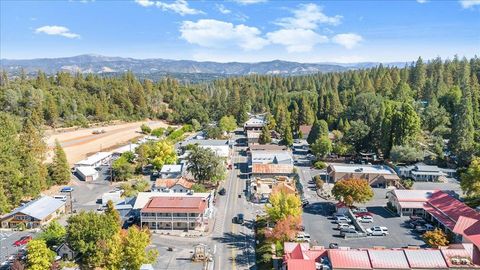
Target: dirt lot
(79, 143)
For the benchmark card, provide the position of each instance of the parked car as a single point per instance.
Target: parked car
(361, 214)
(365, 219)
(377, 231)
(343, 220)
(335, 216)
(333, 246)
(424, 228)
(305, 202)
(349, 229)
(23, 240)
(240, 219)
(344, 225)
(416, 223)
(67, 189)
(303, 237)
(222, 191)
(351, 234)
(360, 210)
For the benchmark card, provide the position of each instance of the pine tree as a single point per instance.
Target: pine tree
(59, 170)
(265, 136)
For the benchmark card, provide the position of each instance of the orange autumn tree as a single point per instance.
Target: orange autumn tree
(352, 190)
(285, 229)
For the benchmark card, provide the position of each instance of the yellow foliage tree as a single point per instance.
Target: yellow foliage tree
(435, 238)
(283, 205)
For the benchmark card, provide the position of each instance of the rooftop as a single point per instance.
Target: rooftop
(207, 142)
(388, 259)
(425, 258)
(129, 147)
(271, 156)
(143, 197)
(169, 168)
(405, 195)
(91, 160)
(40, 208)
(272, 168)
(174, 204)
(357, 168)
(86, 170)
(267, 147)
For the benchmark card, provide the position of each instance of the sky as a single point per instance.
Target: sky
(242, 30)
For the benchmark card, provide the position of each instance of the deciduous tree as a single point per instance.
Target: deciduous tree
(352, 190)
(227, 123)
(39, 256)
(435, 238)
(283, 205)
(205, 165)
(470, 179)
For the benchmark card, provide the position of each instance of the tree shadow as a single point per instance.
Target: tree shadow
(242, 243)
(325, 209)
(380, 211)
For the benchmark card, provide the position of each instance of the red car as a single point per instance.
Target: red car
(22, 241)
(361, 214)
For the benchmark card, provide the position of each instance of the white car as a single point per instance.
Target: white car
(360, 210)
(343, 225)
(303, 237)
(343, 220)
(377, 231)
(365, 219)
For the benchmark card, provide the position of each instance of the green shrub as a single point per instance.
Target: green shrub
(320, 165)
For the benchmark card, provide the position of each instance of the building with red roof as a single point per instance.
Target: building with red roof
(300, 256)
(175, 213)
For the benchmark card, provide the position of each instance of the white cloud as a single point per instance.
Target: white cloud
(348, 40)
(56, 30)
(223, 9)
(469, 3)
(422, 1)
(249, 2)
(296, 40)
(308, 16)
(179, 6)
(218, 34)
(145, 3)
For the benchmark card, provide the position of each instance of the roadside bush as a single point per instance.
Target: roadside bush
(320, 165)
(318, 181)
(145, 129)
(158, 132)
(407, 183)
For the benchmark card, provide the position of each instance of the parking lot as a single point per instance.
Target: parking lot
(322, 229)
(7, 238)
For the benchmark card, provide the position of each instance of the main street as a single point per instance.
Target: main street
(234, 243)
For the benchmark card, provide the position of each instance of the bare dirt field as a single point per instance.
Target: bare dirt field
(81, 142)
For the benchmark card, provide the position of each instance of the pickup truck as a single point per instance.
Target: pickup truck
(377, 231)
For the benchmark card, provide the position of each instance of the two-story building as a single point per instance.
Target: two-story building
(34, 214)
(377, 175)
(175, 213)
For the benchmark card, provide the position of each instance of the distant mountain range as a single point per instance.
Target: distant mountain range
(182, 69)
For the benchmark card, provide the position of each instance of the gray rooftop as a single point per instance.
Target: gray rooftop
(207, 142)
(40, 208)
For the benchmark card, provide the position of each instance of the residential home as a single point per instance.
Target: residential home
(377, 175)
(255, 123)
(34, 214)
(175, 213)
(65, 252)
(179, 185)
(171, 171)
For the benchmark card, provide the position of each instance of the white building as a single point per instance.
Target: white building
(96, 160)
(220, 147)
(87, 173)
(422, 172)
(171, 171)
(409, 202)
(271, 157)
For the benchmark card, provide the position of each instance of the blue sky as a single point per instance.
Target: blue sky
(242, 30)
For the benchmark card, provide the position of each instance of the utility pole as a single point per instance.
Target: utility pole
(71, 202)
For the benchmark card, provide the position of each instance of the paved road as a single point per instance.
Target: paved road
(7, 238)
(233, 243)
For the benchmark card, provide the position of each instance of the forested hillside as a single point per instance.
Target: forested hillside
(429, 107)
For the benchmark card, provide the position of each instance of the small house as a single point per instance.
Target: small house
(65, 252)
